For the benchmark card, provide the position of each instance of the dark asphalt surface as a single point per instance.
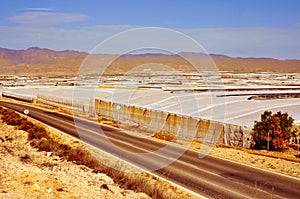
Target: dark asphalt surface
(208, 176)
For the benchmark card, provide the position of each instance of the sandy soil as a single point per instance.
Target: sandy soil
(261, 161)
(27, 173)
(283, 162)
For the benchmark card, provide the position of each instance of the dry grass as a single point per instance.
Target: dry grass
(28, 173)
(107, 121)
(43, 140)
(288, 154)
(164, 136)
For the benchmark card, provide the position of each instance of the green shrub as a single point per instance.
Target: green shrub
(273, 131)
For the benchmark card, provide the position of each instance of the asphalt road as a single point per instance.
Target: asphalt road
(208, 176)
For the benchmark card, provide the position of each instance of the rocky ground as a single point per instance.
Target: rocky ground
(28, 173)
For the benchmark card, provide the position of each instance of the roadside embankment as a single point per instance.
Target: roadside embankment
(38, 161)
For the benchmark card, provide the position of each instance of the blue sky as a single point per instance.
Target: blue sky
(246, 28)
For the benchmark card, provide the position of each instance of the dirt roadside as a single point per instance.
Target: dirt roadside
(26, 172)
(55, 165)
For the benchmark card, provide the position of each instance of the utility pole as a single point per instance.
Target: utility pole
(268, 145)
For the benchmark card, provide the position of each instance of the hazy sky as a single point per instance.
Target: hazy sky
(261, 28)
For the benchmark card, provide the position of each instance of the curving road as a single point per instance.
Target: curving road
(208, 176)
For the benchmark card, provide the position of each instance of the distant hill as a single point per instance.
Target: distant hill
(38, 61)
(43, 62)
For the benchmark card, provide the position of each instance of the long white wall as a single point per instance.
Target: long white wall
(63, 102)
(154, 120)
(184, 126)
(21, 97)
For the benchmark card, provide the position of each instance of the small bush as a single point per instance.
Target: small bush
(11, 117)
(107, 121)
(164, 136)
(273, 131)
(1, 110)
(25, 158)
(42, 144)
(37, 132)
(26, 125)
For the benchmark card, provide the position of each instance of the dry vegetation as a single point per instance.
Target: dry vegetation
(287, 161)
(107, 121)
(164, 136)
(70, 152)
(28, 173)
(284, 162)
(263, 160)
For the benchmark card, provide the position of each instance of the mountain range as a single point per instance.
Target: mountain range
(45, 62)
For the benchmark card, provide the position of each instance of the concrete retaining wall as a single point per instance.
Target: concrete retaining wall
(65, 103)
(188, 127)
(154, 120)
(21, 97)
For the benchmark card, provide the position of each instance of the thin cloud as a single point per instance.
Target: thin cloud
(38, 9)
(41, 19)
